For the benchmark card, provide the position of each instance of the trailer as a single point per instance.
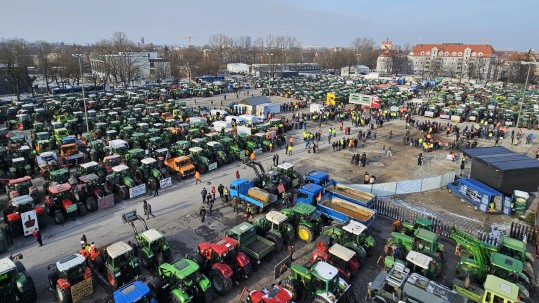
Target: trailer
(343, 211)
(481, 196)
(351, 194)
(249, 242)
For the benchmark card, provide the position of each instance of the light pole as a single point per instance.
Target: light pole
(525, 89)
(83, 95)
(269, 75)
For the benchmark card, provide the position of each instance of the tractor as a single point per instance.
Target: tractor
(233, 151)
(149, 173)
(154, 249)
(214, 150)
(60, 203)
(97, 150)
(92, 167)
(305, 220)
(110, 161)
(58, 176)
(344, 259)
(180, 148)
(223, 263)
(275, 227)
(278, 294)
(354, 236)
(182, 282)
(89, 191)
(182, 166)
(319, 284)
(46, 162)
(131, 293)
(19, 205)
(16, 285)
(121, 264)
(408, 228)
(133, 157)
(286, 170)
(120, 181)
(201, 163)
(19, 168)
(22, 186)
(69, 271)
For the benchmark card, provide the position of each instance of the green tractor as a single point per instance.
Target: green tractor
(262, 142)
(180, 148)
(215, 151)
(19, 168)
(92, 167)
(233, 150)
(305, 220)
(134, 156)
(16, 285)
(319, 284)
(182, 282)
(120, 181)
(275, 227)
(409, 228)
(286, 171)
(354, 236)
(154, 249)
(97, 150)
(246, 143)
(122, 265)
(201, 163)
(150, 173)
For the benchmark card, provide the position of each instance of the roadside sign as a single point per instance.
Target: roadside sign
(164, 183)
(29, 222)
(81, 290)
(105, 202)
(137, 191)
(360, 99)
(212, 166)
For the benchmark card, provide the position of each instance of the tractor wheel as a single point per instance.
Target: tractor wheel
(291, 231)
(146, 262)
(221, 284)
(278, 242)
(46, 175)
(232, 157)
(63, 295)
(109, 185)
(246, 271)
(318, 299)
(305, 234)
(264, 148)
(174, 299)
(179, 176)
(210, 295)
(369, 250)
(156, 286)
(91, 205)
(30, 295)
(81, 209)
(20, 267)
(53, 277)
(99, 264)
(152, 183)
(45, 186)
(97, 193)
(113, 282)
(138, 176)
(219, 162)
(199, 259)
(16, 228)
(324, 242)
(438, 266)
(59, 217)
(48, 209)
(201, 168)
(5, 212)
(123, 193)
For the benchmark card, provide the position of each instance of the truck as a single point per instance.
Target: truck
(340, 190)
(245, 190)
(16, 285)
(400, 285)
(481, 196)
(249, 242)
(334, 208)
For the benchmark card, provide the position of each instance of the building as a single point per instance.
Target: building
(245, 41)
(252, 102)
(453, 60)
(354, 71)
(386, 45)
(238, 68)
(144, 65)
(261, 70)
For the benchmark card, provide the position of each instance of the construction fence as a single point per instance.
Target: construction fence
(407, 186)
(518, 231)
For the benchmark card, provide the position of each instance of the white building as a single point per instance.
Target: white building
(453, 60)
(238, 68)
(261, 70)
(354, 71)
(146, 65)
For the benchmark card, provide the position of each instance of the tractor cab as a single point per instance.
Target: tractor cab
(276, 219)
(154, 243)
(516, 249)
(111, 161)
(15, 283)
(21, 186)
(59, 176)
(222, 251)
(409, 227)
(143, 127)
(91, 167)
(357, 232)
(181, 147)
(423, 264)
(111, 134)
(198, 142)
(17, 139)
(42, 136)
(287, 171)
(118, 146)
(426, 240)
(344, 259)
(70, 270)
(18, 168)
(122, 265)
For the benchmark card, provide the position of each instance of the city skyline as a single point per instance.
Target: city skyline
(314, 23)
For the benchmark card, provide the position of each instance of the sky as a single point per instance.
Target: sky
(504, 24)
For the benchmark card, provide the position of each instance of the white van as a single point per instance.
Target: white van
(239, 120)
(250, 119)
(218, 112)
(219, 125)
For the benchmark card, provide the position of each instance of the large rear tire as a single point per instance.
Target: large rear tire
(220, 283)
(210, 295)
(123, 192)
(246, 271)
(277, 240)
(30, 295)
(63, 295)
(53, 277)
(91, 204)
(113, 282)
(81, 209)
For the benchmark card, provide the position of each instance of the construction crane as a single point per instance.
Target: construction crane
(189, 38)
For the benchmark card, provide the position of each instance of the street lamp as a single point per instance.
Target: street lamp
(525, 89)
(83, 95)
(269, 75)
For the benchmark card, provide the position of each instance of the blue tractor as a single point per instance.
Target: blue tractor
(131, 293)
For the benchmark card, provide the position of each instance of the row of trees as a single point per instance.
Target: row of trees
(22, 62)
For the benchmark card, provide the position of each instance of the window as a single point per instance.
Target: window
(454, 53)
(422, 53)
(474, 54)
(480, 54)
(460, 53)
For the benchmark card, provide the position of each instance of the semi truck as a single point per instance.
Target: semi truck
(341, 190)
(335, 208)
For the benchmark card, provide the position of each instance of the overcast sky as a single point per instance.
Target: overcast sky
(504, 24)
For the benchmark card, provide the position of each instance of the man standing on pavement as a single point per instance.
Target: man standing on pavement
(226, 193)
(156, 192)
(145, 207)
(235, 204)
(220, 189)
(204, 192)
(237, 174)
(202, 213)
(197, 177)
(291, 251)
(37, 236)
(149, 207)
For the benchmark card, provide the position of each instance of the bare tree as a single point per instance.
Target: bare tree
(220, 45)
(399, 62)
(366, 49)
(45, 61)
(15, 57)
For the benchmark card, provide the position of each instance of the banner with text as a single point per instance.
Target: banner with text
(29, 222)
(105, 202)
(164, 183)
(137, 191)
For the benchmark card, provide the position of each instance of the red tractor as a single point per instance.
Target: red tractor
(223, 263)
(110, 161)
(60, 203)
(278, 294)
(89, 191)
(19, 205)
(22, 186)
(69, 271)
(344, 259)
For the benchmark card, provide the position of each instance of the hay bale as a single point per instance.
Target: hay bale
(261, 195)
